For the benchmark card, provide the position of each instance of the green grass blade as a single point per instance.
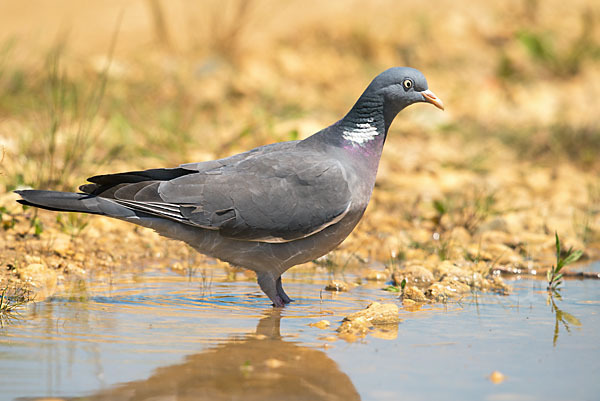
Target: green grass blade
(573, 257)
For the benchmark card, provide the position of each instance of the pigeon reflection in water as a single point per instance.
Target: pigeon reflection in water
(259, 367)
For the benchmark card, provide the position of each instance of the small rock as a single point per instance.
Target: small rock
(414, 274)
(415, 294)
(376, 314)
(445, 289)
(496, 377)
(322, 324)
(336, 285)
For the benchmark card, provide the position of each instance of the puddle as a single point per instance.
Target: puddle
(157, 335)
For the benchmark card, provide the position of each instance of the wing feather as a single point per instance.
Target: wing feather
(269, 194)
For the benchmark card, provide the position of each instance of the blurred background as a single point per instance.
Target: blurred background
(97, 87)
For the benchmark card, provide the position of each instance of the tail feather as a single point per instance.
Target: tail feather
(73, 202)
(101, 183)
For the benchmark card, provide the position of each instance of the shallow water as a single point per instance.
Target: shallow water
(161, 336)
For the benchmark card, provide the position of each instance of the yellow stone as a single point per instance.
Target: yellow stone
(322, 324)
(496, 377)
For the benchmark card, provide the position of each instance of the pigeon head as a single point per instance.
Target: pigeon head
(389, 93)
(403, 86)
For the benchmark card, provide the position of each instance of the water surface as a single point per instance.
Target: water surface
(158, 334)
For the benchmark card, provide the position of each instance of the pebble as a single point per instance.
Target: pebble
(322, 324)
(496, 377)
(336, 285)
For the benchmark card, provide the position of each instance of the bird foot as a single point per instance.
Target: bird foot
(278, 302)
(273, 289)
(286, 300)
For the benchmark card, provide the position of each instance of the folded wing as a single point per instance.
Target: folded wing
(267, 197)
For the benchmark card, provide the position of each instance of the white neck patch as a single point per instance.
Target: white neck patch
(361, 133)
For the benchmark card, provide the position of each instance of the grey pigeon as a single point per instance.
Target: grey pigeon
(266, 209)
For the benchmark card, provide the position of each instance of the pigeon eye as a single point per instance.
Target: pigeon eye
(407, 83)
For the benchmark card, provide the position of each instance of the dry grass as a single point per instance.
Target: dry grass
(11, 300)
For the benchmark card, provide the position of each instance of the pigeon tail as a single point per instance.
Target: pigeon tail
(73, 202)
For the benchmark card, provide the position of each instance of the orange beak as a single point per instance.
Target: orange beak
(433, 99)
